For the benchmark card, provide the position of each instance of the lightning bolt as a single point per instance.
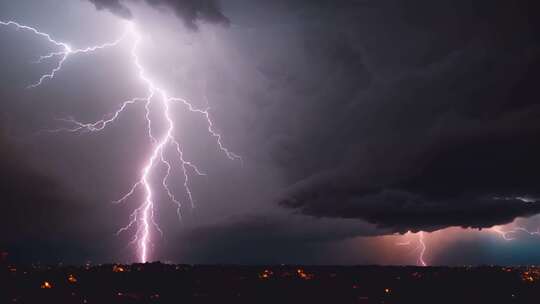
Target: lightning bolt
(421, 248)
(524, 198)
(510, 234)
(142, 218)
(507, 234)
(66, 51)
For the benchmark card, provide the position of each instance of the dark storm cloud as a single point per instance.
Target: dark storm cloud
(40, 219)
(268, 238)
(33, 206)
(114, 6)
(436, 114)
(402, 211)
(277, 229)
(190, 11)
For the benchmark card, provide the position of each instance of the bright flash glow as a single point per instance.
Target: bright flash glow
(524, 198)
(63, 54)
(512, 231)
(142, 218)
(510, 234)
(421, 248)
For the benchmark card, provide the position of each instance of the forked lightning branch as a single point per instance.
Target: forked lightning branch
(141, 220)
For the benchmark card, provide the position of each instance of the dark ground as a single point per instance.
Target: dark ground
(161, 283)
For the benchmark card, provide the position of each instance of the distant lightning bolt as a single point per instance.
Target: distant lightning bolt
(505, 232)
(510, 234)
(421, 248)
(142, 217)
(524, 198)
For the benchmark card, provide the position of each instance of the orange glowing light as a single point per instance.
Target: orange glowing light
(304, 275)
(266, 274)
(531, 275)
(72, 279)
(117, 268)
(46, 285)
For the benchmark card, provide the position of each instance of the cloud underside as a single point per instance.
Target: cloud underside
(189, 11)
(33, 205)
(400, 211)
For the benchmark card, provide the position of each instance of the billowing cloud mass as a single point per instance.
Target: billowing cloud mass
(411, 116)
(114, 6)
(35, 208)
(423, 116)
(190, 11)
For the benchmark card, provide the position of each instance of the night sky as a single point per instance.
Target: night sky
(360, 123)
